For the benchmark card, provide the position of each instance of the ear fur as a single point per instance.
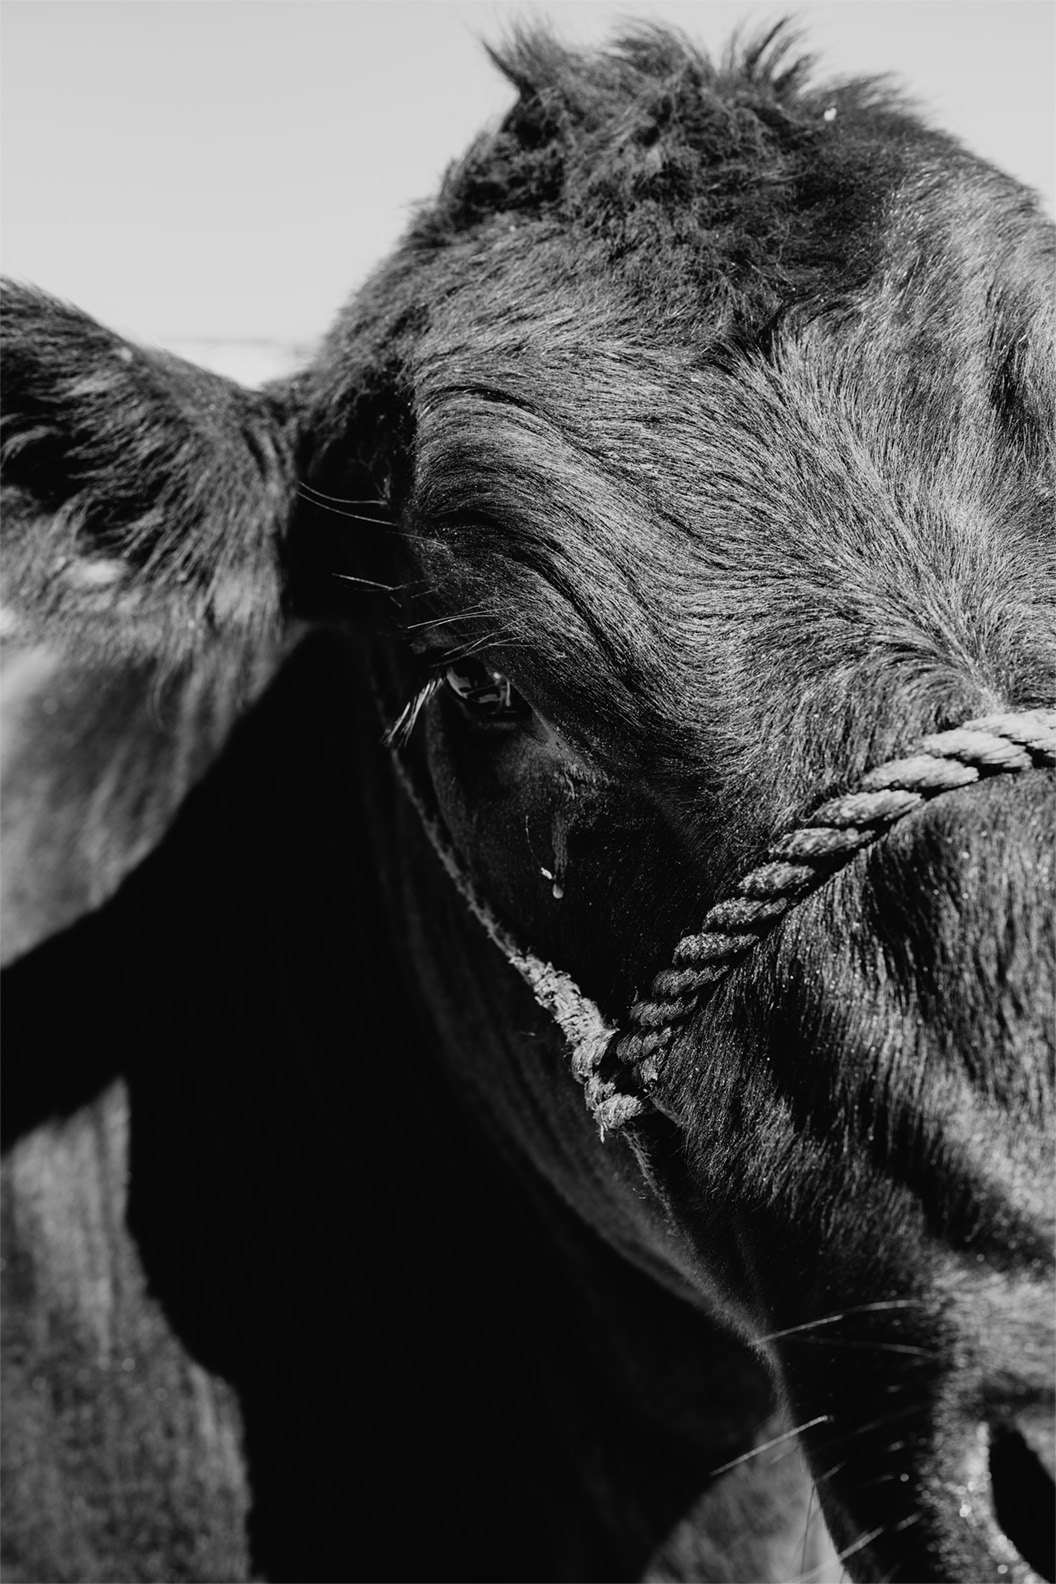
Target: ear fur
(146, 511)
(146, 501)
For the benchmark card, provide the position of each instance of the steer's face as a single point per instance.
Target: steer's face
(700, 442)
(663, 581)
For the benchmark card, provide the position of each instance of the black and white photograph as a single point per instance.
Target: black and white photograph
(527, 834)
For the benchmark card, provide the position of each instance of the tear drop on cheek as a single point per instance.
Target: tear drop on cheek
(557, 890)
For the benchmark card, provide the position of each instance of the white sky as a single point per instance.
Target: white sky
(231, 168)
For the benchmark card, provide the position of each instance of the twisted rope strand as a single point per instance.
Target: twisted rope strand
(801, 860)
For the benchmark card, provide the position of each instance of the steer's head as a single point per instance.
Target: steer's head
(703, 432)
(696, 449)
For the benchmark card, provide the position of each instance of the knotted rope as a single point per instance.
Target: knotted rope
(619, 1071)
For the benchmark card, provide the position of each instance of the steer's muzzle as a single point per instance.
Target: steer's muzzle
(994, 1447)
(869, 1125)
(934, 1457)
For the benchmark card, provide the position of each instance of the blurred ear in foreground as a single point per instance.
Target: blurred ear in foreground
(146, 505)
(146, 500)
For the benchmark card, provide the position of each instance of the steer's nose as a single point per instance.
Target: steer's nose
(1022, 1464)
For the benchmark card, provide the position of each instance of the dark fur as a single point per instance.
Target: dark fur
(723, 424)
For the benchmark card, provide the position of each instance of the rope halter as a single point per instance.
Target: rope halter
(619, 1071)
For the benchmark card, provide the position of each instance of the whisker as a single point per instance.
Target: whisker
(880, 1479)
(811, 1503)
(326, 503)
(859, 1544)
(389, 588)
(472, 614)
(807, 1574)
(879, 1347)
(888, 1418)
(402, 727)
(844, 1314)
(844, 1438)
(474, 646)
(340, 500)
(339, 511)
(786, 1435)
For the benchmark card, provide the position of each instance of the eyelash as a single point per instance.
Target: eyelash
(399, 733)
(439, 674)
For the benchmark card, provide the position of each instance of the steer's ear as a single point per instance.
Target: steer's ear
(146, 501)
(146, 508)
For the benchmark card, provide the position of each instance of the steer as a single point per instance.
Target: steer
(529, 1002)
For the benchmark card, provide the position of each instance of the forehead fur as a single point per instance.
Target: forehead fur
(713, 405)
(756, 181)
(704, 198)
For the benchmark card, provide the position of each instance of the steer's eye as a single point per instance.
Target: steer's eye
(484, 692)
